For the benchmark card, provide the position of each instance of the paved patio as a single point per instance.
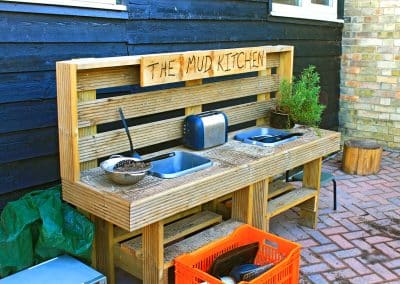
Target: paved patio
(358, 243)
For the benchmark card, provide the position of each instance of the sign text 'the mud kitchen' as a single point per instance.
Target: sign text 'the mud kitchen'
(176, 67)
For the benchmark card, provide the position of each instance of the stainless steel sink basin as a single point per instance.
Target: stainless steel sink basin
(255, 136)
(181, 164)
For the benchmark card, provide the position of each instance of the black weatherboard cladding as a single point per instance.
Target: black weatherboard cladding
(31, 43)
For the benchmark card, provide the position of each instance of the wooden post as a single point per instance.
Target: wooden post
(260, 204)
(67, 104)
(242, 206)
(153, 253)
(104, 248)
(311, 179)
(285, 69)
(361, 157)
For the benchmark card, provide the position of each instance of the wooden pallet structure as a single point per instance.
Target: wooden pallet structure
(136, 226)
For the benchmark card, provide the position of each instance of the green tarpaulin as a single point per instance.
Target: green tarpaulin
(40, 226)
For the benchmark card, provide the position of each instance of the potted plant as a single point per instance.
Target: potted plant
(298, 101)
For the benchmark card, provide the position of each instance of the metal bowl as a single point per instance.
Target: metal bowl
(124, 178)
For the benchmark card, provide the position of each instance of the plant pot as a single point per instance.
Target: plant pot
(280, 120)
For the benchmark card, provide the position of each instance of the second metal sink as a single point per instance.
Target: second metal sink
(248, 136)
(181, 164)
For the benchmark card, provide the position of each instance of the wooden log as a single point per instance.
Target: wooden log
(361, 157)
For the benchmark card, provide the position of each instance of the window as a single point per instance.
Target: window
(324, 10)
(98, 4)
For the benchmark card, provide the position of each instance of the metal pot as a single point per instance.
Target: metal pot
(131, 176)
(123, 177)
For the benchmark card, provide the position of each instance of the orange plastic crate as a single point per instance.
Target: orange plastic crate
(192, 267)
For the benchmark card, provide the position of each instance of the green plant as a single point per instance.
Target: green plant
(300, 98)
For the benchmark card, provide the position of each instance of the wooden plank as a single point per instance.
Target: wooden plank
(35, 143)
(111, 142)
(242, 205)
(194, 109)
(260, 203)
(204, 10)
(130, 263)
(104, 249)
(289, 200)
(285, 69)
(199, 240)
(169, 68)
(87, 131)
(263, 97)
(67, 103)
(278, 187)
(103, 110)
(311, 179)
(177, 230)
(153, 253)
(122, 235)
(27, 173)
(28, 115)
(107, 206)
(93, 79)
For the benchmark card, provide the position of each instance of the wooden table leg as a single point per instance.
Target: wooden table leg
(153, 253)
(242, 205)
(260, 204)
(104, 248)
(311, 179)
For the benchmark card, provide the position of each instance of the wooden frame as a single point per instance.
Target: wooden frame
(241, 170)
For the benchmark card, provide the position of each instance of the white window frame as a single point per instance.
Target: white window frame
(307, 10)
(97, 4)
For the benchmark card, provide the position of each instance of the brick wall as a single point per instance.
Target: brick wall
(370, 74)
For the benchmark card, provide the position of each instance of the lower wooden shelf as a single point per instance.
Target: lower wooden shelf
(289, 199)
(177, 239)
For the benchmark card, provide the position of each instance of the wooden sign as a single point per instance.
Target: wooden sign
(176, 67)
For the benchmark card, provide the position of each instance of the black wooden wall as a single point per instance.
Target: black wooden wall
(33, 38)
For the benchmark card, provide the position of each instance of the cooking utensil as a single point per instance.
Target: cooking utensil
(127, 170)
(274, 138)
(124, 177)
(133, 152)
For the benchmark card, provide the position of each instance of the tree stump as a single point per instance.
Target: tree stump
(361, 157)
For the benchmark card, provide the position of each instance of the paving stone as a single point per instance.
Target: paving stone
(332, 260)
(387, 250)
(324, 248)
(339, 274)
(370, 279)
(342, 242)
(315, 268)
(377, 239)
(382, 271)
(357, 266)
(348, 253)
(317, 279)
(355, 235)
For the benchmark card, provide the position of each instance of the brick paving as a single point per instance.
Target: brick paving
(360, 241)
